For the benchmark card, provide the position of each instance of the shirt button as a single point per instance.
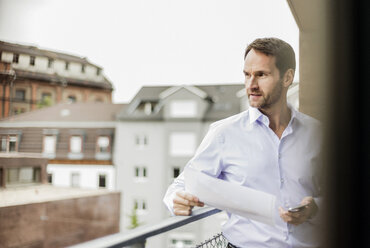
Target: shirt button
(282, 180)
(279, 156)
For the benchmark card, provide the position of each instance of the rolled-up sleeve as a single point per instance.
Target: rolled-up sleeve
(207, 158)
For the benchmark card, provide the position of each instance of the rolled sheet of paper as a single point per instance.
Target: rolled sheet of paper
(231, 197)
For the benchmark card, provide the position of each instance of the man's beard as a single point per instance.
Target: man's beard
(269, 99)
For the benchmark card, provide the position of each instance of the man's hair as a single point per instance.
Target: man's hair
(282, 51)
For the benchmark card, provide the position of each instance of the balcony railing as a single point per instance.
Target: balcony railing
(136, 238)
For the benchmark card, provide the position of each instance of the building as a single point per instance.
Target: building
(156, 135)
(76, 138)
(35, 214)
(32, 78)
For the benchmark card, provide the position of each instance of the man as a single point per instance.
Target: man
(270, 147)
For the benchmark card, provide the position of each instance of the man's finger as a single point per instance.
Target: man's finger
(182, 212)
(187, 196)
(184, 202)
(192, 199)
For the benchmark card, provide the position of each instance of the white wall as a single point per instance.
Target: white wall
(89, 175)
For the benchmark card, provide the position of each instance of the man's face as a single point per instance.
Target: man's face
(262, 80)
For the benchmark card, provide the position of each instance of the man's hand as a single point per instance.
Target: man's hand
(298, 218)
(184, 202)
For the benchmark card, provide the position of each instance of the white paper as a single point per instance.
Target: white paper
(231, 197)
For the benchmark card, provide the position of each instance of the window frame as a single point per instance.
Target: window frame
(140, 173)
(97, 147)
(32, 60)
(105, 180)
(50, 62)
(55, 144)
(15, 58)
(70, 144)
(7, 142)
(20, 98)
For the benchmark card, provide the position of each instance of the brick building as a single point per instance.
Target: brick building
(77, 139)
(31, 78)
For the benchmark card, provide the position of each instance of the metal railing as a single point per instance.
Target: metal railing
(136, 238)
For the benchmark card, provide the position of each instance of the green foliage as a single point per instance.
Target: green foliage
(45, 102)
(134, 219)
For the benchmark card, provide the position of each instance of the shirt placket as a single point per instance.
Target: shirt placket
(284, 192)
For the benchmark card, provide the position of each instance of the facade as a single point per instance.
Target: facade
(35, 214)
(45, 216)
(156, 135)
(77, 139)
(32, 78)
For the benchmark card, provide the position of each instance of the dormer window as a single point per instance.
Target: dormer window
(98, 71)
(67, 66)
(50, 63)
(32, 60)
(15, 58)
(83, 68)
(147, 107)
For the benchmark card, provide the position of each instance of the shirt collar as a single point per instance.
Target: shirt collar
(255, 114)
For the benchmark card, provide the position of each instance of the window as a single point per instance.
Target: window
(50, 178)
(183, 240)
(102, 144)
(140, 206)
(45, 96)
(20, 94)
(17, 110)
(98, 71)
(146, 107)
(183, 108)
(32, 60)
(141, 140)
(23, 175)
(75, 179)
(102, 181)
(71, 99)
(176, 172)
(4, 143)
(66, 66)
(75, 144)
(49, 144)
(9, 143)
(50, 63)
(15, 58)
(83, 68)
(140, 172)
(182, 144)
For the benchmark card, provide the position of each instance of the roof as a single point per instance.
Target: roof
(63, 80)
(35, 51)
(222, 99)
(74, 112)
(43, 193)
(54, 78)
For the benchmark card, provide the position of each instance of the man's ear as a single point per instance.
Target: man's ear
(288, 77)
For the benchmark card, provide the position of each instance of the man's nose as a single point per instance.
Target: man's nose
(251, 82)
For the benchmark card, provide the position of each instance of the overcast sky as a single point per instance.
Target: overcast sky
(151, 42)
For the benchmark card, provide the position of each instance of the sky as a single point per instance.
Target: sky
(151, 42)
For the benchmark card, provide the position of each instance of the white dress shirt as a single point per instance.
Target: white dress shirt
(244, 150)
